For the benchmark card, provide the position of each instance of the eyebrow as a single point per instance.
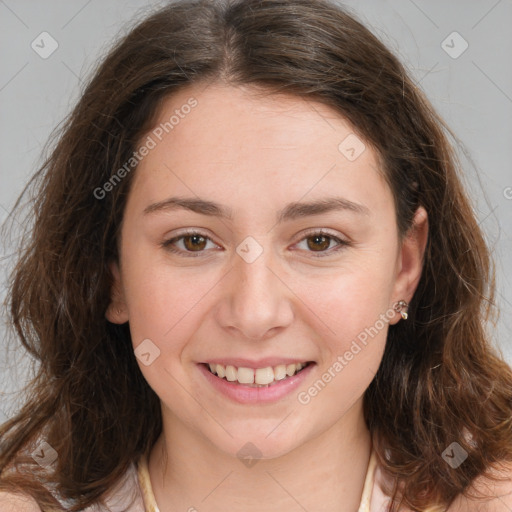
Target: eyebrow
(291, 211)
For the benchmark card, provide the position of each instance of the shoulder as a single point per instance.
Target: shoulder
(498, 493)
(124, 497)
(10, 502)
(127, 495)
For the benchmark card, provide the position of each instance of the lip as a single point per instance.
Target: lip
(249, 395)
(255, 364)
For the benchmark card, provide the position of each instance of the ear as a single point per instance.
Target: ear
(117, 311)
(410, 259)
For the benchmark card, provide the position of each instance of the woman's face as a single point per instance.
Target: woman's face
(223, 262)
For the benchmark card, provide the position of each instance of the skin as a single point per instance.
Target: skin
(255, 154)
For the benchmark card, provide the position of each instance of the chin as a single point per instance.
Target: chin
(260, 443)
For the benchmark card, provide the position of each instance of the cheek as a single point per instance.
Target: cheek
(348, 301)
(166, 302)
(353, 315)
(165, 306)
(162, 299)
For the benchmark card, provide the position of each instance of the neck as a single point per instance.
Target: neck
(327, 472)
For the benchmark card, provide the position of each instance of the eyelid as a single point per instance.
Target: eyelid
(321, 231)
(342, 242)
(168, 244)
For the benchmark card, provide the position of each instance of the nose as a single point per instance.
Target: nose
(257, 302)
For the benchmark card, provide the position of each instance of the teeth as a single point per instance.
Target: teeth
(245, 375)
(221, 372)
(260, 376)
(280, 372)
(290, 369)
(231, 373)
(264, 375)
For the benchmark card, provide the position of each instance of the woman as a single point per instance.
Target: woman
(255, 282)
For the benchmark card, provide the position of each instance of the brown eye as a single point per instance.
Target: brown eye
(189, 244)
(318, 242)
(194, 242)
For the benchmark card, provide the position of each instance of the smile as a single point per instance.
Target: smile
(256, 377)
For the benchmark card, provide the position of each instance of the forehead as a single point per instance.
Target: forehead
(235, 143)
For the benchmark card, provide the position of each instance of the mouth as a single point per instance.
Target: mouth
(257, 377)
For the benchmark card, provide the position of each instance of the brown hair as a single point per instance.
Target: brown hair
(440, 380)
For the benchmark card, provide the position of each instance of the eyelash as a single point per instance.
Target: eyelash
(168, 244)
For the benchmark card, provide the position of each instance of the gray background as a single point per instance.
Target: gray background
(473, 92)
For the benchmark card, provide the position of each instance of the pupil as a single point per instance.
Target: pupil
(317, 240)
(197, 242)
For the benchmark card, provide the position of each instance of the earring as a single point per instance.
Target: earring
(402, 308)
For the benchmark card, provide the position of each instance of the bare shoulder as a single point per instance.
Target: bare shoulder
(10, 502)
(499, 493)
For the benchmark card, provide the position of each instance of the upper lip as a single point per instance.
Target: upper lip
(256, 363)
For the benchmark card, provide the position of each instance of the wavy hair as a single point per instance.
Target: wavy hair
(440, 380)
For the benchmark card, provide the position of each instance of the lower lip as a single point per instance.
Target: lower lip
(261, 395)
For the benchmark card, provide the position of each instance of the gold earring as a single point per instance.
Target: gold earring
(402, 308)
